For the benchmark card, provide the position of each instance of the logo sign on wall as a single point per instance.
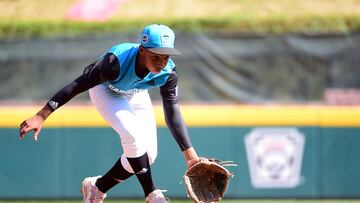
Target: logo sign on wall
(274, 157)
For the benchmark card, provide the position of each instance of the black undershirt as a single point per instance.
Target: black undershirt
(107, 69)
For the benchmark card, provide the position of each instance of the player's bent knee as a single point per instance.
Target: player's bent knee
(152, 157)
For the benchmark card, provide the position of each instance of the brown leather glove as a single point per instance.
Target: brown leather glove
(207, 180)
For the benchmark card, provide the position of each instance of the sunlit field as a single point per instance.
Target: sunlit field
(136, 9)
(23, 18)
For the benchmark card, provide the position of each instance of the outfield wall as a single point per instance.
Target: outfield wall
(282, 151)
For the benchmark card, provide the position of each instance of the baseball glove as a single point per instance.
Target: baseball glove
(207, 180)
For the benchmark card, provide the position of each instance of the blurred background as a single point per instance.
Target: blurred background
(273, 85)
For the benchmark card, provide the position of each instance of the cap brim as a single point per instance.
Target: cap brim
(165, 51)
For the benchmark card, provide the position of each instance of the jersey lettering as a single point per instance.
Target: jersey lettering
(127, 92)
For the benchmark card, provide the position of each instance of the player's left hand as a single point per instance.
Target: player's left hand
(207, 180)
(191, 157)
(191, 162)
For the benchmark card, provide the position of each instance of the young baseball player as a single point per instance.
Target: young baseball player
(118, 82)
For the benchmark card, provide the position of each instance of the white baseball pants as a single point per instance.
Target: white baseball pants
(132, 118)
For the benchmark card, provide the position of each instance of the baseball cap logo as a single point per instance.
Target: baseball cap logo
(145, 38)
(165, 40)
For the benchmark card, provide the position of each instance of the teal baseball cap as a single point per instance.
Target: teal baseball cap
(159, 39)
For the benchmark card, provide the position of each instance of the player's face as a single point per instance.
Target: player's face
(155, 62)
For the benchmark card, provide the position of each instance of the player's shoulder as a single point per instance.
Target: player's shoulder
(123, 48)
(171, 63)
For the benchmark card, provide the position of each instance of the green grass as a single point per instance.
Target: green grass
(275, 24)
(37, 18)
(188, 201)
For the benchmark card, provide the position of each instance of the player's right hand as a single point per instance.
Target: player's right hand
(34, 123)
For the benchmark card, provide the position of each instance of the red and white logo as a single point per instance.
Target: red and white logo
(274, 157)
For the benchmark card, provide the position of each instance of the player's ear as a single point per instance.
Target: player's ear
(141, 49)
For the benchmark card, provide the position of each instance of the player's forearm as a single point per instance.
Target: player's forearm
(44, 112)
(65, 94)
(190, 156)
(177, 125)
